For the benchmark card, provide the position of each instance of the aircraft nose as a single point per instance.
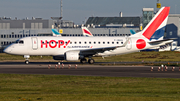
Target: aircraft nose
(7, 50)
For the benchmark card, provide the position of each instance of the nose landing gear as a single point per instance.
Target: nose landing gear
(26, 59)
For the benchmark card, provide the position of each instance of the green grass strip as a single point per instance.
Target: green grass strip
(21, 87)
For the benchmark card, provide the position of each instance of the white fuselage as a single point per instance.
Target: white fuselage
(59, 45)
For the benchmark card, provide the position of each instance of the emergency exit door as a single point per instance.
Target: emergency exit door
(34, 43)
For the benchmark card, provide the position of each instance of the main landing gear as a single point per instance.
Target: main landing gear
(90, 61)
(83, 61)
(26, 59)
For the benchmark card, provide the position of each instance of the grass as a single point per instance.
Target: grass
(20, 87)
(133, 57)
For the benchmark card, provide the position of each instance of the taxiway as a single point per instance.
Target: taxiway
(90, 70)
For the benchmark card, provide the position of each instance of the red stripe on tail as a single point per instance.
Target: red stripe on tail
(87, 32)
(156, 23)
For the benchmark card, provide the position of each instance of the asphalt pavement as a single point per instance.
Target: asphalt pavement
(88, 70)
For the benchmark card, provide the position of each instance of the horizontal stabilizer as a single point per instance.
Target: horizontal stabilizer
(159, 41)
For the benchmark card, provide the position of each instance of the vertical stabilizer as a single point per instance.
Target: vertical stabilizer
(55, 32)
(156, 27)
(86, 32)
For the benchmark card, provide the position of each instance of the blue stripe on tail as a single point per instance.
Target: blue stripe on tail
(158, 34)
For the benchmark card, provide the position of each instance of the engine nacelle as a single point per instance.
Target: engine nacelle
(72, 55)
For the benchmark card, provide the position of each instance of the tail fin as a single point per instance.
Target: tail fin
(132, 31)
(55, 32)
(156, 27)
(86, 32)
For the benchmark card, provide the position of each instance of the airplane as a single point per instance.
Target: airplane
(80, 48)
(55, 32)
(132, 31)
(86, 32)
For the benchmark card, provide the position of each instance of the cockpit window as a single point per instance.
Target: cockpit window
(19, 42)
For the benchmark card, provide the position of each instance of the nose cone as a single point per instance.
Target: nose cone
(7, 50)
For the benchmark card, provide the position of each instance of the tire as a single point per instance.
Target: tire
(83, 61)
(91, 61)
(26, 62)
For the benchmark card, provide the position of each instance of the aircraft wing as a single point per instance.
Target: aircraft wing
(92, 51)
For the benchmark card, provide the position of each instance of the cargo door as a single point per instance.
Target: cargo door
(34, 43)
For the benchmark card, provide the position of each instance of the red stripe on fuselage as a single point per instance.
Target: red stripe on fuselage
(156, 23)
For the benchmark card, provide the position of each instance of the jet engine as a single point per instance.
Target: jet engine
(72, 55)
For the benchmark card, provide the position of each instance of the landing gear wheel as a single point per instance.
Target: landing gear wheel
(91, 61)
(27, 62)
(83, 61)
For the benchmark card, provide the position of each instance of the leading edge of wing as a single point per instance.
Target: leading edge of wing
(102, 49)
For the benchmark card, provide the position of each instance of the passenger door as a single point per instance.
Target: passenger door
(34, 43)
(129, 44)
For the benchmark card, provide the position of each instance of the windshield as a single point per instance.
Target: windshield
(19, 42)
